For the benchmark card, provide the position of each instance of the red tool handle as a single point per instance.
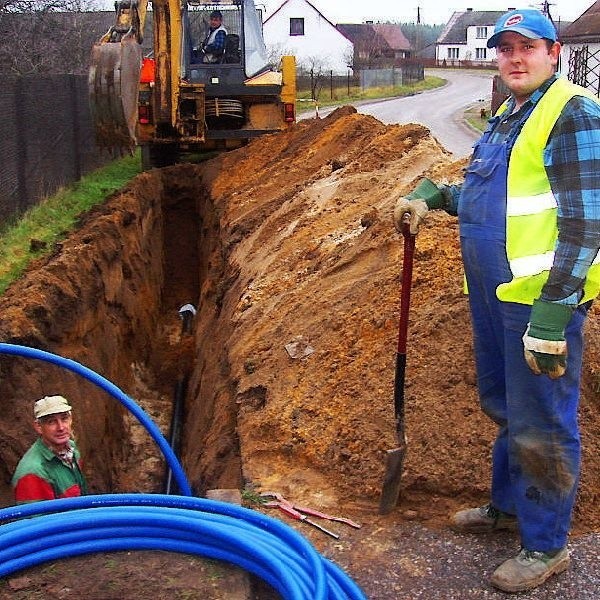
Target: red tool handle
(400, 375)
(321, 515)
(407, 269)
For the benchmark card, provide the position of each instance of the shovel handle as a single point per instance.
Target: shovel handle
(395, 457)
(407, 270)
(400, 375)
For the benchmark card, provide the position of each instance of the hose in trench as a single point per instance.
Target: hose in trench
(255, 542)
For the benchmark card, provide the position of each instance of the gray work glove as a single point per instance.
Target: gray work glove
(417, 204)
(414, 211)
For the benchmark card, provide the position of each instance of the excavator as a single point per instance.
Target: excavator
(172, 100)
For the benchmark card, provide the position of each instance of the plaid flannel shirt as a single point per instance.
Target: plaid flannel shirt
(218, 44)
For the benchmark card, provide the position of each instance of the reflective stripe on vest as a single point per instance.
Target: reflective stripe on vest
(532, 209)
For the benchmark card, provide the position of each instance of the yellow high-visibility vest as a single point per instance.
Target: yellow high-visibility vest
(531, 208)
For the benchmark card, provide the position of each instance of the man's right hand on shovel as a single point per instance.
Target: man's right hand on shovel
(417, 211)
(417, 204)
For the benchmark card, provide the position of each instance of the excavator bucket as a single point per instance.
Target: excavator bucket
(113, 86)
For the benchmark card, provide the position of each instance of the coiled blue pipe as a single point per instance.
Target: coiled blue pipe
(54, 529)
(255, 542)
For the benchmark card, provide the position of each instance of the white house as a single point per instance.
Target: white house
(297, 27)
(465, 36)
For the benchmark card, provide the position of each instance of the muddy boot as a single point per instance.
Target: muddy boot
(528, 570)
(482, 520)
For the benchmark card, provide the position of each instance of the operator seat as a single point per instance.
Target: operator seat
(231, 54)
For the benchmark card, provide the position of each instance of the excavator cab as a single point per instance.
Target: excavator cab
(187, 96)
(197, 30)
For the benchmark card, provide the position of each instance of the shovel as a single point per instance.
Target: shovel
(395, 456)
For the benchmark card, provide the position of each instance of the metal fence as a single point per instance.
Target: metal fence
(371, 78)
(584, 68)
(327, 85)
(47, 138)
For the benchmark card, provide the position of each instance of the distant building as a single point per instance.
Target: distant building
(465, 37)
(297, 27)
(376, 44)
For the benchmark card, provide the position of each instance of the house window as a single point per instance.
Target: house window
(453, 53)
(480, 53)
(296, 26)
(481, 33)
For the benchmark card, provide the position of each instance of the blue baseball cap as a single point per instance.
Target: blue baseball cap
(529, 22)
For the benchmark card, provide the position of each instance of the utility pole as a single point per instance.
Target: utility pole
(417, 32)
(546, 9)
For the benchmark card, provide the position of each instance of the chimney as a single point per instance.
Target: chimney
(469, 10)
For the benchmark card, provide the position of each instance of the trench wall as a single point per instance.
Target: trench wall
(95, 300)
(108, 297)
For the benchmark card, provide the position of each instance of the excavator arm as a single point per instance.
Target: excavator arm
(114, 77)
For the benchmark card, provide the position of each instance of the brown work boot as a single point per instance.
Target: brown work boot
(482, 520)
(528, 570)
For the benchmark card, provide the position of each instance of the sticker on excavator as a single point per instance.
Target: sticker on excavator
(113, 86)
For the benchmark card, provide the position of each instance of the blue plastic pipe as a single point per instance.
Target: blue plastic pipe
(249, 539)
(113, 390)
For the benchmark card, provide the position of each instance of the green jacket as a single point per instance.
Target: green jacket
(41, 475)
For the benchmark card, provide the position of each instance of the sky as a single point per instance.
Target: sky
(433, 12)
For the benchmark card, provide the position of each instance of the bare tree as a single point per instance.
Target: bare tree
(45, 36)
(316, 67)
(35, 6)
(276, 51)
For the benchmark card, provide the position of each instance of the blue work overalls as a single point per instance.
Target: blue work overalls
(536, 455)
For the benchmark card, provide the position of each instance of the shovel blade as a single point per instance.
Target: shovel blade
(391, 484)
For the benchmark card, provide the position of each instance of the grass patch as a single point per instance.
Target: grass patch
(342, 95)
(51, 221)
(474, 116)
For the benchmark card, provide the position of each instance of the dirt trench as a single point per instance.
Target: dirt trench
(109, 298)
(287, 249)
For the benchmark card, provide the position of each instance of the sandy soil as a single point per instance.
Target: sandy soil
(292, 360)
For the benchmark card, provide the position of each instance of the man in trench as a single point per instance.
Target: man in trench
(51, 468)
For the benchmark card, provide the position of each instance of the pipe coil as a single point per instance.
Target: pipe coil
(53, 529)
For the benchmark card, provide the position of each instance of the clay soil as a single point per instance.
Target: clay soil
(295, 345)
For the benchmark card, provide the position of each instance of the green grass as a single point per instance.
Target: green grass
(341, 95)
(55, 217)
(474, 117)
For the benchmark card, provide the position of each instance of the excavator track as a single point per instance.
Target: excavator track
(113, 87)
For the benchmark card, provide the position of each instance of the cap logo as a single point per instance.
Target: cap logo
(514, 20)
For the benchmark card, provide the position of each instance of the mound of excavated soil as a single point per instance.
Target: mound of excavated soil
(296, 275)
(307, 220)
